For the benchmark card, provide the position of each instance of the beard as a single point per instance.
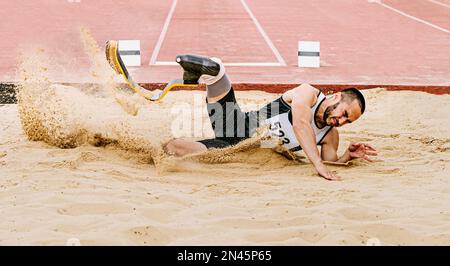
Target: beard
(328, 111)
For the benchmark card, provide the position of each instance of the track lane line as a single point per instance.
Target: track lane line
(162, 36)
(411, 16)
(251, 64)
(439, 3)
(264, 35)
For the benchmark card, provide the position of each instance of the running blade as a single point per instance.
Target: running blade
(174, 83)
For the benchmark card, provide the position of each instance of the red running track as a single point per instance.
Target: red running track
(392, 42)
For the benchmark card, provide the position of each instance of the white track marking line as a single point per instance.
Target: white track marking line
(170, 63)
(439, 3)
(262, 64)
(412, 17)
(263, 33)
(162, 36)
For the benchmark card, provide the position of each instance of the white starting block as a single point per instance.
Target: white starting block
(308, 54)
(130, 52)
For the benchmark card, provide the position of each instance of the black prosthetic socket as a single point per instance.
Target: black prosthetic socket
(194, 66)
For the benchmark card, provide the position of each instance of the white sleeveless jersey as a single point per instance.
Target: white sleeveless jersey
(280, 126)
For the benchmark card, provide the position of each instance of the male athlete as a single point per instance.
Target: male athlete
(300, 119)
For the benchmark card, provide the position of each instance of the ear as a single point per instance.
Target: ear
(337, 97)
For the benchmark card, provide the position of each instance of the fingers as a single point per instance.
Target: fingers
(366, 145)
(356, 144)
(367, 158)
(327, 174)
(332, 177)
(370, 147)
(365, 155)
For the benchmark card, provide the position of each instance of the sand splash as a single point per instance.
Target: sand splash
(69, 116)
(105, 114)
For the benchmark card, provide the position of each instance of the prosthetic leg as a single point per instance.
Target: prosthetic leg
(197, 67)
(114, 59)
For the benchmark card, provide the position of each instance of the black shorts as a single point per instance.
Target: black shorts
(231, 125)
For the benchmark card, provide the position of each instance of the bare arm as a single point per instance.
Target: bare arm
(303, 98)
(355, 150)
(330, 146)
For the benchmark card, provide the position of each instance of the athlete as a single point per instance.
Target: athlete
(301, 119)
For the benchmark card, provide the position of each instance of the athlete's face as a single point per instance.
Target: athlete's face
(339, 112)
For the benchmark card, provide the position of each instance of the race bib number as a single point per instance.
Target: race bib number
(277, 131)
(281, 128)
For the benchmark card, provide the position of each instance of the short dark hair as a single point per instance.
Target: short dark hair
(352, 94)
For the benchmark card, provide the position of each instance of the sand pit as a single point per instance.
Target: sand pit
(86, 163)
(108, 195)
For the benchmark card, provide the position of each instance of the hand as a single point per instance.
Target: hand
(361, 150)
(325, 173)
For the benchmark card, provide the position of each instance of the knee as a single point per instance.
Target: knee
(171, 147)
(175, 147)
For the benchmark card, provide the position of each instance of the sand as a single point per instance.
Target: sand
(86, 162)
